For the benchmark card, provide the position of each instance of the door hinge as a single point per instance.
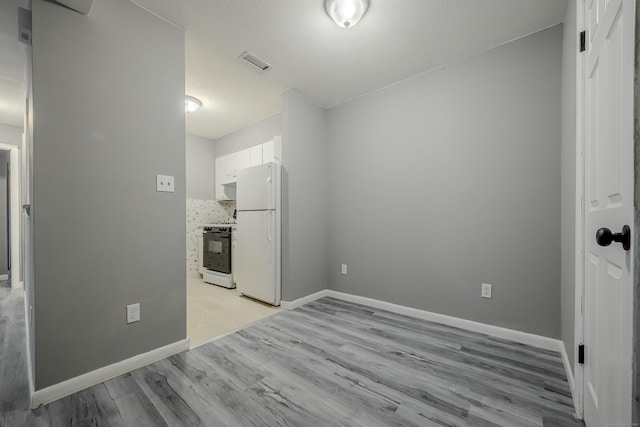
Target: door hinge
(583, 41)
(581, 354)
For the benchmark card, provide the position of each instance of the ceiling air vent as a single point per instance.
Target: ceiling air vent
(254, 60)
(24, 25)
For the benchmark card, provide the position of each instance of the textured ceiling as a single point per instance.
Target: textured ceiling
(395, 40)
(12, 66)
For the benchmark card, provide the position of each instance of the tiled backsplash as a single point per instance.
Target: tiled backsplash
(201, 212)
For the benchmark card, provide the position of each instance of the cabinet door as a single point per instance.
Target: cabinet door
(277, 148)
(224, 192)
(230, 165)
(219, 178)
(267, 152)
(256, 155)
(243, 159)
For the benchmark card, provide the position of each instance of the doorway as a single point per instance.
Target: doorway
(10, 227)
(214, 305)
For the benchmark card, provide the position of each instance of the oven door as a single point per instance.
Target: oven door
(216, 251)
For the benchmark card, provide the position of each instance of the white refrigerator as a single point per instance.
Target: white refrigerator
(258, 246)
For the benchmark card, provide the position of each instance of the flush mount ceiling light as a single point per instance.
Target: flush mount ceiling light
(346, 13)
(191, 104)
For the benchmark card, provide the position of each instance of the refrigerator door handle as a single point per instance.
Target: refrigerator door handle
(269, 190)
(269, 234)
(268, 229)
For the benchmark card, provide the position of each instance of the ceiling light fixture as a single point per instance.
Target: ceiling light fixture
(346, 13)
(191, 104)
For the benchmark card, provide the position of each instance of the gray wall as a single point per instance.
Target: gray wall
(201, 158)
(568, 179)
(304, 220)
(108, 102)
(10, 134)
(249, 136)
(451, 179)
(4, 231)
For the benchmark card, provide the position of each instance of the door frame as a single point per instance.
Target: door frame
(635, 408)
(578, 369)
(15, 214)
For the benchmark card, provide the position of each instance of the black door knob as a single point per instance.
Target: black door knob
(604, 237)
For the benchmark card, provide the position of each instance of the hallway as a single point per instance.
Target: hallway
(14, 392)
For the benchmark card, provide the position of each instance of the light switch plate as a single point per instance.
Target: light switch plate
(164, 183)
(344, 268)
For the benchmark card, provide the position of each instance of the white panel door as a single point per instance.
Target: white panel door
(256, 255)
(608, 203)
(256, 188)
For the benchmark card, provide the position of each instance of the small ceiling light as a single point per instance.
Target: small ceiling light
(191, 104)
(346, 13)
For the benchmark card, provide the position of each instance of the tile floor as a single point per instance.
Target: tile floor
(213, 311)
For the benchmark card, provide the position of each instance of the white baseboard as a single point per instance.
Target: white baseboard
(81, 382)
(569, 371)
(483, 328)
(27, 322)
(290, 305)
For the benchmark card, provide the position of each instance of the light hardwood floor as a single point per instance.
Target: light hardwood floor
(330, 363)
(213, 311)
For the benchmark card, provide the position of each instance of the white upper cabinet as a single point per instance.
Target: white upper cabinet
(267, 152)
(227, 167)
(243, 159)
(277, 148)
(256, 155)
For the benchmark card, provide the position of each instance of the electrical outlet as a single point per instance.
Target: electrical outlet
(486, 290)
(164, 183)
(344, 268)
(133, 313)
